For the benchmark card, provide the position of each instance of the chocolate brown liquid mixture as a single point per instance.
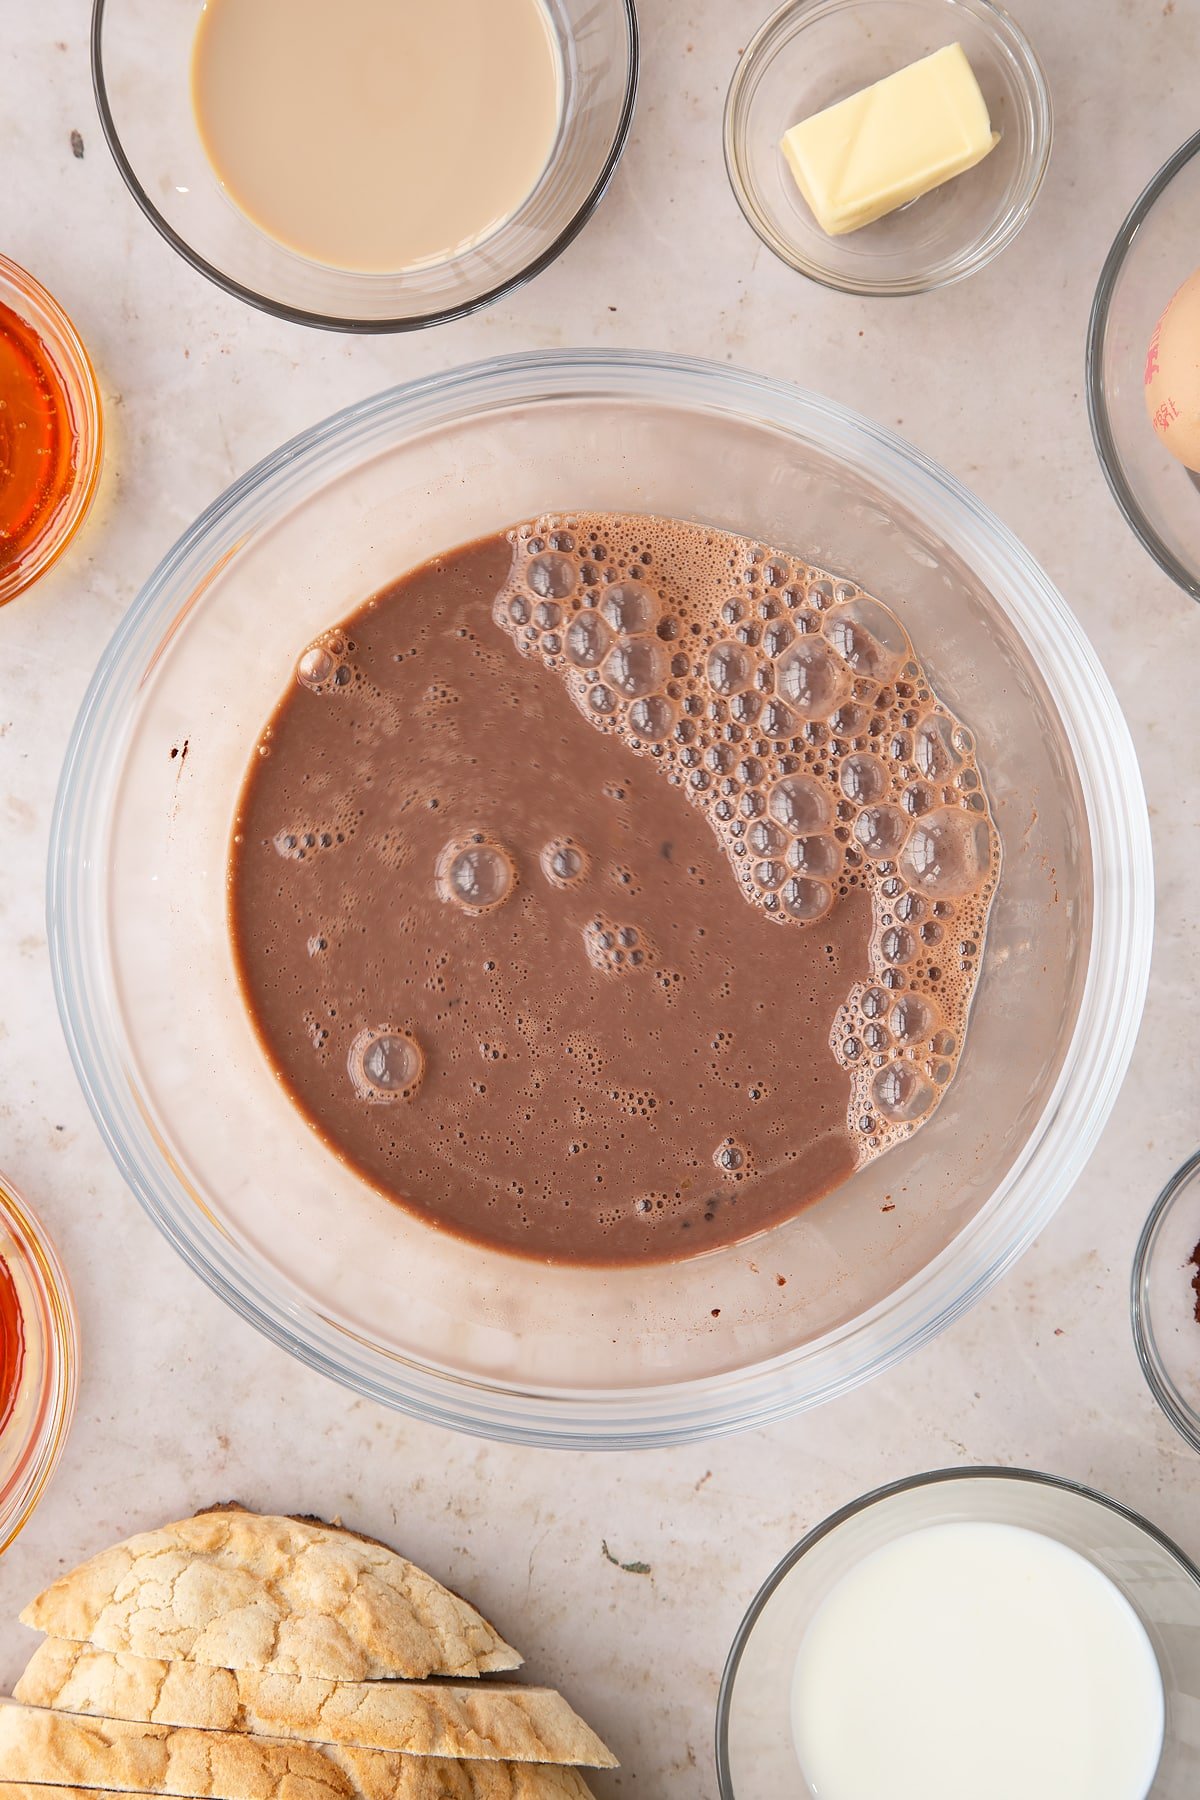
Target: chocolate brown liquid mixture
(501, 960)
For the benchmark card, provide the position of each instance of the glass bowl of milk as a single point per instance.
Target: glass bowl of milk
(978, 1633)
(375, 166)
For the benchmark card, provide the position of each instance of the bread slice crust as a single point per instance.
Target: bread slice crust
(50, 1751)
(242, 1590)
(478, 1719)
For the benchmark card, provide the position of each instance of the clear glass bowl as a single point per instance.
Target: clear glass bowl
(1154, 252)
(755, 1756)
(812, 53)
(141, 62)
(1166, 1330)
(34, 306)
(294, 1239)
(32, 1439)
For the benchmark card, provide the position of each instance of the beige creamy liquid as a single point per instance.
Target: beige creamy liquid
(377, 135)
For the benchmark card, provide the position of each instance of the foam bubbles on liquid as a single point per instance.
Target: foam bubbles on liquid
(629, 607)
(385, 1064)
(868, 638)
(652, 718)
(615, 948)
(948, 853)
(812, 679)
(807, 900)
(880, 830)
(902, 1094)
(553, 575)
(799, 804)
(635, 667)
(475, 873)
(732, 1159)
(587, 640)
(322, 667)
(564, 862)
(792, 709)
(730, 668)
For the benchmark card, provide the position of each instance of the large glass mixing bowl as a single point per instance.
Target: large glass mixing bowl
(297, 1242)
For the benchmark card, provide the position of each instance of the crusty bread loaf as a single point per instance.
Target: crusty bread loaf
(241, 1590)
(53, 1750)
(429, 1779)
(482, 1719)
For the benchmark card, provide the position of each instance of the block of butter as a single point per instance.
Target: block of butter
(891, 142)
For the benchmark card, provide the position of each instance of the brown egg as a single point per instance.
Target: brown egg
(1173, 375)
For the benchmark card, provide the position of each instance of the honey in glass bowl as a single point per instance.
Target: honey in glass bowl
(50, 431)
(39, 1356)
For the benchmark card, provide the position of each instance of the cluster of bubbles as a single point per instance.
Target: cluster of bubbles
(790, 707)
(613, 948)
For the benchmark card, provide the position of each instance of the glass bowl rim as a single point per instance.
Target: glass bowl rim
(1059, 1141)
(78, 375)
(983, 251)
(1183, 1417)
(1103, 436)
(295, 315)
(888, 1491)
(60, 1382)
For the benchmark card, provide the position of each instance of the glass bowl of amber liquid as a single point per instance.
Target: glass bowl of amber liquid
(50, 430)
(39, 1361)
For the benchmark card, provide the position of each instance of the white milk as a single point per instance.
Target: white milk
(977, 1662)
(377, 134)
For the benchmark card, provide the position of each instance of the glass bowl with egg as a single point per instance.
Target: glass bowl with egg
(811, 54)
(286, 1231)
(373, 167)
(969, 1631)
(1165, 1300)
(39, 1362)
(1149, 272)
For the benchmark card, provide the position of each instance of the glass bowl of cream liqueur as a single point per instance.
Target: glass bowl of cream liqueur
(39, 1361)
(376, 166)
(472, 966)
(978, 1631)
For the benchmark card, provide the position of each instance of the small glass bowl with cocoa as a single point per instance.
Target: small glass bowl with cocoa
(1165, 1300)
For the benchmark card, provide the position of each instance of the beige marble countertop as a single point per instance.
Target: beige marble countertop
(182, 1403)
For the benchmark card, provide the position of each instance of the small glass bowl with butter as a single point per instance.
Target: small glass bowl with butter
(810, 55)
